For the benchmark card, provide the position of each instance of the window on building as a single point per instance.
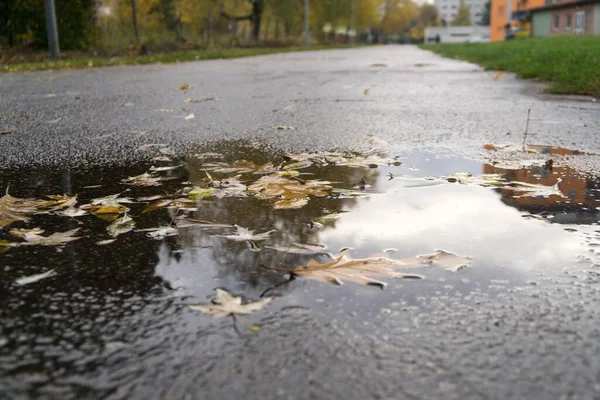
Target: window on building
(568, 21)
(555, 21)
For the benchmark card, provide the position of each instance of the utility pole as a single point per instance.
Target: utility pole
(52, 29)
(305, 23)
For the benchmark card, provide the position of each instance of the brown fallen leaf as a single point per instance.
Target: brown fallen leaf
(446, 260)
(20, 233)
(144, 179)
(225, 304)
(360, 271)
(184, 86)
(13, 209)
(181, 203)
(8, 131)
(288, 193)
(56, 239)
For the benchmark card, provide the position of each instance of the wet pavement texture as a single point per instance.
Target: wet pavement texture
(112, 321)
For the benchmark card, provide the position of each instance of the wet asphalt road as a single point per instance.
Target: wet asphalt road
(536, 340)
(102, 116)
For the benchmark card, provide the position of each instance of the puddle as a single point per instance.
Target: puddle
(138, 286)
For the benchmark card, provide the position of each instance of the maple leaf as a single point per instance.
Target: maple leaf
(224, 304)
(240, 166)
(534, 190)
(58, 202)
(242, 234)
(445, 260)
(56, 239)
(287, 193)
(120, 226)
(144, 179)
(161, 232)
(180, 204)
(13, 209)
(344, 267)
(71, 212)
(21, 232)
(112, 204)
(467, 178)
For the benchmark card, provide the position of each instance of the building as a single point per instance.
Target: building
(503, 11)
(447, 9)
(566, 17)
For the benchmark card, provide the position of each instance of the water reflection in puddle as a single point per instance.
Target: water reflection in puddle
(99, 292)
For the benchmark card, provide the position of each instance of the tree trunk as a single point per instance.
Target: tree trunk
(267, 26)
(255, 17)
(135, 21)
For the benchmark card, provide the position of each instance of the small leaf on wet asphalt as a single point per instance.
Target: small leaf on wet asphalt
(525, 189)
(5, 244)
(328, 219)
(71, 212)
(467, 178)
(286, 128)
(242, 234)
(366, 91)
(190, 116)
(300, 248)
(34, 278)
(56, 239)
(161, 232)
(21, 232)
(290, 203)
(166, 168)
(144, 179)
(179, 204)
(198, 193)
(184, 86)
(120, 226)
(224, 304)
(105, 242)
(8, 131)
(446, 260)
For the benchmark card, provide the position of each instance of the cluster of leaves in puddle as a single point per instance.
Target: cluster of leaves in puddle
(281, 186)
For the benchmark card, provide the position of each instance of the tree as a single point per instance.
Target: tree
(255, 15)
(463, 15)
(398, 16)
(485, 17)
(23, 22)
(428, 16)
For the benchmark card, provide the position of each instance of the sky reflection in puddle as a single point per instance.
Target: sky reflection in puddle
(137, 287)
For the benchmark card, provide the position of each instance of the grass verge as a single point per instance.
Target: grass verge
(570, 64)
(82, 61)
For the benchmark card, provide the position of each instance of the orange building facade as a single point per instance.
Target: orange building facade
(499, 16)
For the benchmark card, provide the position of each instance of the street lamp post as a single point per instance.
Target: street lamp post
(52, 29)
